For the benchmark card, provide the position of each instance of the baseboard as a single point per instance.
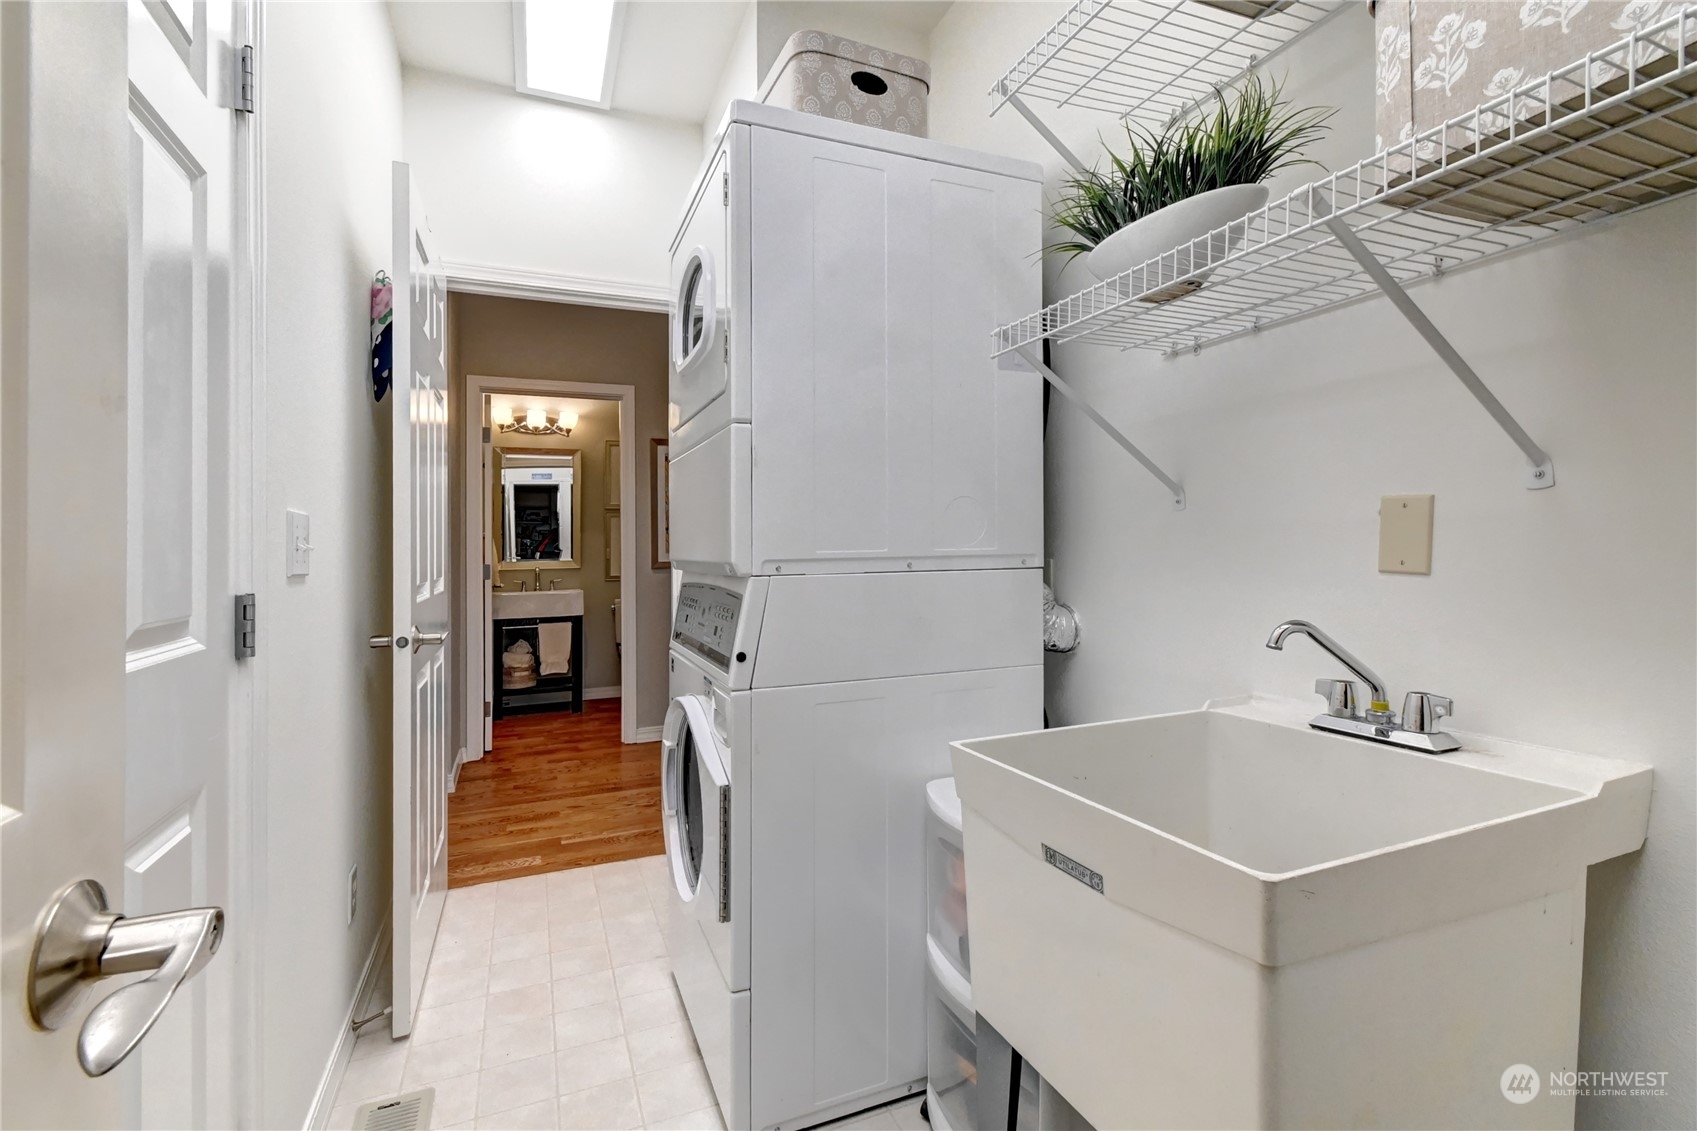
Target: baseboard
(612, 692)
(650, 734)
(318, 1116)
(517, 282)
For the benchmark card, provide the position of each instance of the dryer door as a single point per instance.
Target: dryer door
(696, 799)
(699, 307)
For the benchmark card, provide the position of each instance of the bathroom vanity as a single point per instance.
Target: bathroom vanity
(519, 617)
(1227, 918)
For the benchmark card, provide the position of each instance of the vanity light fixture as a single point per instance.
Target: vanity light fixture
(535, 422)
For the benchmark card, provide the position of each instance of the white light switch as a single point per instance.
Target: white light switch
(299, 543)
(1405, 534)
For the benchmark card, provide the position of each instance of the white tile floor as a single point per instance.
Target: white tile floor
(550, 1004)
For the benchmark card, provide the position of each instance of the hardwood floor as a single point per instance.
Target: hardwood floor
(558, 791)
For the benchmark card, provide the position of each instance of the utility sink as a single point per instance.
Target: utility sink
(1223, 918)
(513, 605)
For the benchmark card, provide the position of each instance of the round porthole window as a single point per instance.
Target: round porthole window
(695, 311)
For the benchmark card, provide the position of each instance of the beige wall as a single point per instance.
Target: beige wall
(598, 422)
(547, 341)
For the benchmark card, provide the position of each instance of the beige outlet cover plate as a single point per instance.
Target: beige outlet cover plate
(1405, 534)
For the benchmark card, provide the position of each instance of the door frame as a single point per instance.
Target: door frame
(473, 633)
(249, 751)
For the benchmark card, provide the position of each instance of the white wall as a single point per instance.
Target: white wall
(1564, 617)
(518, 182)
(740, 77)
(331, 113)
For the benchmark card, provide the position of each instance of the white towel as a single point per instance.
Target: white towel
(554, 642)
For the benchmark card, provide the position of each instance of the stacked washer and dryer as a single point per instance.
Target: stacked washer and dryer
(856, 518)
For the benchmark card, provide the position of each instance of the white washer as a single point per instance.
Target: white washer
(807, 715)
(835, 292)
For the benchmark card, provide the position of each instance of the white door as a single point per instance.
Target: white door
(119, 569)
(419, 633)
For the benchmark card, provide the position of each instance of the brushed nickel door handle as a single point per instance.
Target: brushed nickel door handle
(420, 639)
(81, 941)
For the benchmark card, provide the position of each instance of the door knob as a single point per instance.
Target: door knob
(80, 941)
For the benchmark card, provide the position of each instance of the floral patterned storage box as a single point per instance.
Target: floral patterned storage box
(1440, 59)
(824, 74)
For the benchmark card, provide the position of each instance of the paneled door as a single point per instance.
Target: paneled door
(124, 364)
(419, 562)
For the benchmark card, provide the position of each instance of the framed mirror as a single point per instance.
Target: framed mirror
(538, 505)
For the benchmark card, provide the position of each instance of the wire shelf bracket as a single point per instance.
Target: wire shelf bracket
(1542, 472)
(1102, 422)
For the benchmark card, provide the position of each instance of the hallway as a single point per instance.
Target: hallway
(557, 791)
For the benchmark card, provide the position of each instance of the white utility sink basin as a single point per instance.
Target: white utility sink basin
(1223, 918)
(510, 604)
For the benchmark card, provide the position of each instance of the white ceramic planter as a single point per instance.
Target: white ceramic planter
(1175, 226)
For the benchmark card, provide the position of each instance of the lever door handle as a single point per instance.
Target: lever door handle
(420, 639)
(81, 941)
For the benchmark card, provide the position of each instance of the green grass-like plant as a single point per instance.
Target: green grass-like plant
(1251, 135)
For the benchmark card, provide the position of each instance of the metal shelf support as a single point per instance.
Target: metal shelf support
(1032, 359)
(1047, 134)
(1542, 472)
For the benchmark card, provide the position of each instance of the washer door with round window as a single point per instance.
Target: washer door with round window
(695, 805)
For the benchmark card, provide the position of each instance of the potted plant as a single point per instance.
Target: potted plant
(1194, 176)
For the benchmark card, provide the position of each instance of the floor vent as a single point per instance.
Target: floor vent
(409, 1112)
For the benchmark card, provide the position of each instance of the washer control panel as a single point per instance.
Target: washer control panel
(706, 621)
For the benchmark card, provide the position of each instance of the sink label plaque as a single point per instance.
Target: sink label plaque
(1089, 877)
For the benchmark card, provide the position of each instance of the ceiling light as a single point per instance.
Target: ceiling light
(564, 49)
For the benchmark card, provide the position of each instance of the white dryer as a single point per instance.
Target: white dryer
(834, 404)
(807, 715)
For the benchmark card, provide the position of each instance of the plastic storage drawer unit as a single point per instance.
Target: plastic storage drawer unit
(946, 875)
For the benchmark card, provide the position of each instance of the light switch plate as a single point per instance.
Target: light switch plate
(1405, 534)
(298, 536)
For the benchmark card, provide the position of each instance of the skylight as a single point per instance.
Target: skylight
(564, 48)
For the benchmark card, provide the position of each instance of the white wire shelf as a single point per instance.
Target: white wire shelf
(1593, 140)
(1148, 60)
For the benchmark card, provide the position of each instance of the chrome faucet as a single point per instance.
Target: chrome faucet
(1421, 710)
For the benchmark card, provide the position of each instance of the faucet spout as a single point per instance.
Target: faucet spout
(1338, 652)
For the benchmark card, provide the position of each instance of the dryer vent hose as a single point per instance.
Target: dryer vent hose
(1060, 624)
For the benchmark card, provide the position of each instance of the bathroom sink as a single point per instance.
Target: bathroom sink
(1160, 904)
(511, 604)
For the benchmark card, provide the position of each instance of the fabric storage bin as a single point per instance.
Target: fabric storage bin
(1439, 60)
(946, 875)
(824, 74)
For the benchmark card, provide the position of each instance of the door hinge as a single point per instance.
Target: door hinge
(488, 709)
(485, 435)
(244, 78)
(486, 572)
(725, 188)
(727, 336)
(247, 626)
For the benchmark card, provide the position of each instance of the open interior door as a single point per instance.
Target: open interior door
(419, 575)
(124, 354)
